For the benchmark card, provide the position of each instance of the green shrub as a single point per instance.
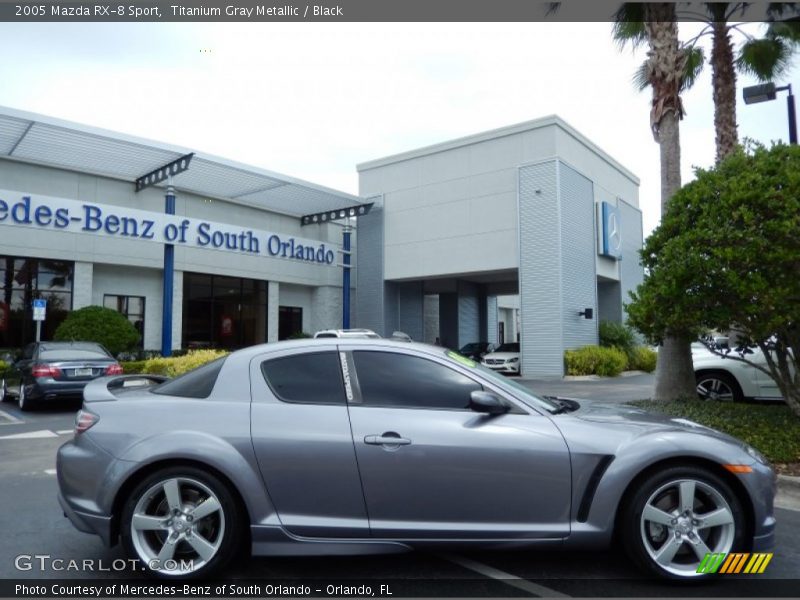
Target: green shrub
(642, 358)
(133, 367)
(3, 367)
(617, 335)
(595, 360)
(770, 428)
(177, 365)
(299, 335)
(97, 324)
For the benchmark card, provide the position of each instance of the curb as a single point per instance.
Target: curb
(602, 377)
(789, 484)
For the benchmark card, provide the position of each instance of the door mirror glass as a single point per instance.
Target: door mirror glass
(484, 402)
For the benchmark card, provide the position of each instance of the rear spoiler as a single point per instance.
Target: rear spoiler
(104, 389)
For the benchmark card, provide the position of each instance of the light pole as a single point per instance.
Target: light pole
(359, 210)
(768, 91)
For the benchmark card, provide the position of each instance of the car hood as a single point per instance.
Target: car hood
(640, 420)
(503, 355)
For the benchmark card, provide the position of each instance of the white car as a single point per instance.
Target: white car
(505, 359)
(731, 380)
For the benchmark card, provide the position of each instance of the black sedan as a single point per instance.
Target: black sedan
(55, 370)
(476, 350)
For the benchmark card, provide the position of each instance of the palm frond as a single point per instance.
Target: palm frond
(695, 59)
(552, 8)
(776, 10)
(765, 59)
(640, 79)
(629, 25)
(788, 30)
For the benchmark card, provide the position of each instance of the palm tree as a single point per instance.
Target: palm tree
(765, 58)
(665, 70)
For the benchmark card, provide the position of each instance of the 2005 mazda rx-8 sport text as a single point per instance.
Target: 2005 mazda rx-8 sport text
(352, 446)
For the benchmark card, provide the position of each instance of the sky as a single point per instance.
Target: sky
(312, 100)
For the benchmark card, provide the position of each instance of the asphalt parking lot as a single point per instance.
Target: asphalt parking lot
(33, 525)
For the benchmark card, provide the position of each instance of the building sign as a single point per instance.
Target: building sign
(73, 216)
(609, 234)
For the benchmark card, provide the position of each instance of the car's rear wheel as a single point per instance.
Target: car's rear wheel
(676, 517)
(715, 385)
(22, 398)
(4, 397)
(181, 522)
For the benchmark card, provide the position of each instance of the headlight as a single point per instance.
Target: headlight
(756, 454)
(513, 360)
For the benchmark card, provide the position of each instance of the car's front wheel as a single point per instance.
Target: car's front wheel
(181, 522)
(676, 517)
(715, 385)
(4, 397)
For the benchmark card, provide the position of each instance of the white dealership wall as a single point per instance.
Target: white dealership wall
(114, 265)
(500, 212)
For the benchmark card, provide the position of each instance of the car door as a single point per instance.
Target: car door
(432, 468)
(302, 441)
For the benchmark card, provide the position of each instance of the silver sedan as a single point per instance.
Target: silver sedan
(359, 446)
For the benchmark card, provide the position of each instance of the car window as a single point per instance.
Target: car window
(403, 381)
(508, 348)
(311, 378)
(197, 383)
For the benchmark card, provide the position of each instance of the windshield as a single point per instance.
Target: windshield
(502, 381)
(508, 348)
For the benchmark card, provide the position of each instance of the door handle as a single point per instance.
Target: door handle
(389, 438)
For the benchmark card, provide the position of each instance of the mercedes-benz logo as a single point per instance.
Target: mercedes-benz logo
(614, 237)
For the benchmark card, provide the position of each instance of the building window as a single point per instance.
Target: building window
(21, 281)
(223, 312)
(130, 306)
(290, 321)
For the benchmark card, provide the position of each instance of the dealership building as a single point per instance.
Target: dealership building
(528, 233)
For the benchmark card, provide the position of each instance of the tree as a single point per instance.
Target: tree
(765, 58)
(665, 72)
(727, 251)
(98, 324)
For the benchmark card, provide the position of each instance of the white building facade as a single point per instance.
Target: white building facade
(75, 232)
(534, 210)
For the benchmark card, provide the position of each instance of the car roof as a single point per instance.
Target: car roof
(311, 343)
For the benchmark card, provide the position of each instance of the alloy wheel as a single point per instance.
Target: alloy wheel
(682, 521)
(714, 388)
(177, 526)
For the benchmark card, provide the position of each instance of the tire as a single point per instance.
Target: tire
(719, 386)
(206, 543)
(663, 539)
(4, 397)
(25, 405)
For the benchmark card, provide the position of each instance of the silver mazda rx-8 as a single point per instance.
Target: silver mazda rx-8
(359, 446)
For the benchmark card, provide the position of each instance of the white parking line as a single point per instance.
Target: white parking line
(64, 431)
(507, 578)
(49, 471)
(7, 419)
(43, 433)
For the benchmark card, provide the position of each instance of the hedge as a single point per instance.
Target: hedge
(595, 360)
(642, 358)
(98, 324)
(174, 365)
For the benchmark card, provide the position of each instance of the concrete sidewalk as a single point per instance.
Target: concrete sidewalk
(627, 387)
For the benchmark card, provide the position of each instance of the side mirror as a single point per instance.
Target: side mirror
(484, 402)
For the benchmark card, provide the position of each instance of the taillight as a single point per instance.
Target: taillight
(84, 420)
(45, 371)
(115, 369)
